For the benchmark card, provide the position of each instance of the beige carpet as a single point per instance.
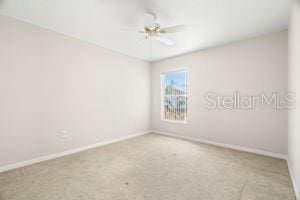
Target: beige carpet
(152, 167)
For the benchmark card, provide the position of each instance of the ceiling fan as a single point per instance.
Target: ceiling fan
(152, 29)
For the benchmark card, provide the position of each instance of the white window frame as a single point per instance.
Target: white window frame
(162, 91)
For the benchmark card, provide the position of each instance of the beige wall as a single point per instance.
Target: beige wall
(50, 82)
(294, 85)
(251, 67)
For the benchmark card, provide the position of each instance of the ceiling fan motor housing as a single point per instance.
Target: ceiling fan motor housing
(153, 30)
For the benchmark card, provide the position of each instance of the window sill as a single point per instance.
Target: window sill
(174, 121)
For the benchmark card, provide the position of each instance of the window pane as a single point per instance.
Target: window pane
(175, 108)
(175, 83)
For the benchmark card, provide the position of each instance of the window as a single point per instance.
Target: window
(174, 96)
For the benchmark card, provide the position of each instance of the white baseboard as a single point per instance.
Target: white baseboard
(256, 151)
(292, 175)
(68, 152)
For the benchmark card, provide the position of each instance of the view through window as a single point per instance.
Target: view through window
(174, 96)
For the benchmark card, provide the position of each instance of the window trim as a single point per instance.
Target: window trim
(162, 96)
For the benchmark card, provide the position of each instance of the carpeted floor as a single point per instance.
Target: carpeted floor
(152, 167)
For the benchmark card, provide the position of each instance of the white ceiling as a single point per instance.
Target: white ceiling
(210, 22)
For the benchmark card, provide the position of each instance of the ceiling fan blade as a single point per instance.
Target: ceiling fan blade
(165, 40)
(143, 39)
(150, 18)
(131, 30)
(174, 29)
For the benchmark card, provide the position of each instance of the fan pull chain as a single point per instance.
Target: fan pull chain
(150, 48)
